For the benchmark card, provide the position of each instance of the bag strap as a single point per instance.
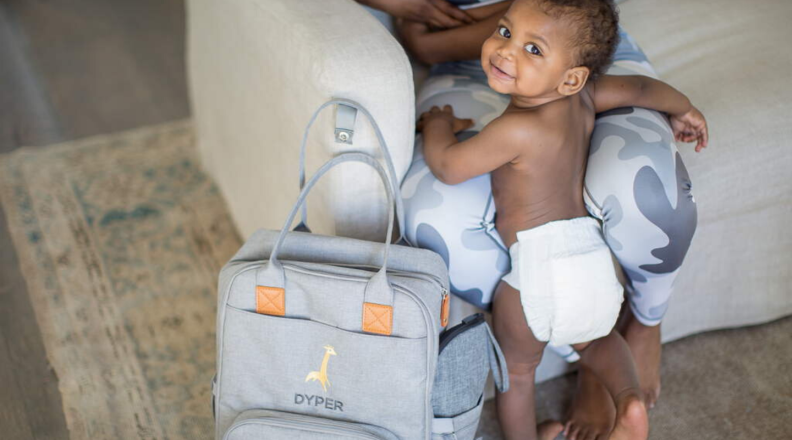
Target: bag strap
(378, 302)
(500, 372)
(345, 124)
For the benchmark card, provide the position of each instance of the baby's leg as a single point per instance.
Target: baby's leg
(610, 359)
(523, 352)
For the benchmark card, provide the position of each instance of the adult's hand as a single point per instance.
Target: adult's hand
(459, 43)
(436, 13)
(412, 35)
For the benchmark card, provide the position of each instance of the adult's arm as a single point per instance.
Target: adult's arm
(460, 43)
(436, 13)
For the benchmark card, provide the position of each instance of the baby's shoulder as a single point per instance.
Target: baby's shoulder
(522, 126)
(533, 128)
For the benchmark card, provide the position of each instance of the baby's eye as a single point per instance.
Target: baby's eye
(503, 32)
(531, 48)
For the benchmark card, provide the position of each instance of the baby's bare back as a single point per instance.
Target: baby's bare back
(545, 182)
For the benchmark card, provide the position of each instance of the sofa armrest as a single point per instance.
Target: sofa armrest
(258, 69)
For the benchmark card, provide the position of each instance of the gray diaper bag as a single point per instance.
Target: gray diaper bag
(325, 337)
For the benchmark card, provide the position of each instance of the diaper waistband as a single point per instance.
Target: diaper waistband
(578, 233)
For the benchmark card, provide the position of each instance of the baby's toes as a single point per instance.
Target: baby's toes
(650, 397)
(549, 430)
(574, 429)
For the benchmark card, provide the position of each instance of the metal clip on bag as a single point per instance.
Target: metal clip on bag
(328, 337)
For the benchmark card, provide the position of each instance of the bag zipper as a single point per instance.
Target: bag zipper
(424, 277)
(444, 295)
(419, 276)
(285, 420)
(468, 323)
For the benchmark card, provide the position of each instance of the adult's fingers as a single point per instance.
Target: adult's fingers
(440, 19)
(452, 11)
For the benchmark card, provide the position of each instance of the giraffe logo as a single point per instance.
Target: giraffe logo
(321, 375)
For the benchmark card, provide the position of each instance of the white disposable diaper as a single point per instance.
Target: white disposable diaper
(567, 282)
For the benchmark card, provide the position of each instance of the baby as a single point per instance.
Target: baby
(549, 56)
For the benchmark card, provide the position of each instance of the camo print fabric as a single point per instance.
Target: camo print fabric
(636, 184)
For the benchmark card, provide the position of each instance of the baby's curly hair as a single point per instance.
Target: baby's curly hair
(597, 33)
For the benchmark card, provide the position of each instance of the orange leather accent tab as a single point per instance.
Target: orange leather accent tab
(377, 319)
(270, 300)
(444, 310)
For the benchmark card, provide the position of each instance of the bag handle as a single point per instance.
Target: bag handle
(500, 372)
(378, 302)
(303, 225)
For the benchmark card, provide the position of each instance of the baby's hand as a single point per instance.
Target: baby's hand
(691, 127)
(445, 115)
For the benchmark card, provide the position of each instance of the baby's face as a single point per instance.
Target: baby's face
(528, 53)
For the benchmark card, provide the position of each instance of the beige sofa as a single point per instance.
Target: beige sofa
(258, 69)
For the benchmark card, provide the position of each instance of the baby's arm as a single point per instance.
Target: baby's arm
(609, 92)
(453, 162)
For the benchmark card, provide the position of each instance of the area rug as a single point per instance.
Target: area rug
(120, 239)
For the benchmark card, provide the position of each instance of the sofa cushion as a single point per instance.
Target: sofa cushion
(732, 58)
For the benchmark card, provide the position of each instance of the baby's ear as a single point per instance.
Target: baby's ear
(574, 80)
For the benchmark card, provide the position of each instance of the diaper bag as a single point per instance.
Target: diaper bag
(324, 337)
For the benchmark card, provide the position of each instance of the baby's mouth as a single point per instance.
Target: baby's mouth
(500, 74)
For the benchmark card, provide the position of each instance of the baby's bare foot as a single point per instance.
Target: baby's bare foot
(645, 346)
(592, 414)
(632, 422)
(549, 430)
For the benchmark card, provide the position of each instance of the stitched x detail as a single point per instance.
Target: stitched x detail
(270, 300)
(377, 318)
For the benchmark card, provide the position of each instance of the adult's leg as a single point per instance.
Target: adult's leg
(458, 221)
(638, 185)
(649, 217)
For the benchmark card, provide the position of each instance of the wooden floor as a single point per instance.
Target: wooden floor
(71, 69)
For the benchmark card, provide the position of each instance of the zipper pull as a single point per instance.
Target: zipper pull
(444, 308)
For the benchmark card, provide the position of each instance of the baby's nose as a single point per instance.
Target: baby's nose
(506, 52)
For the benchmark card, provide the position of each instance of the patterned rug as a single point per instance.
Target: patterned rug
(120, 239)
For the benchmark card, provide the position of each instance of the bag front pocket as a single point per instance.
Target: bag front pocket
(459, 427)
(270, 425)
(299, 366)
